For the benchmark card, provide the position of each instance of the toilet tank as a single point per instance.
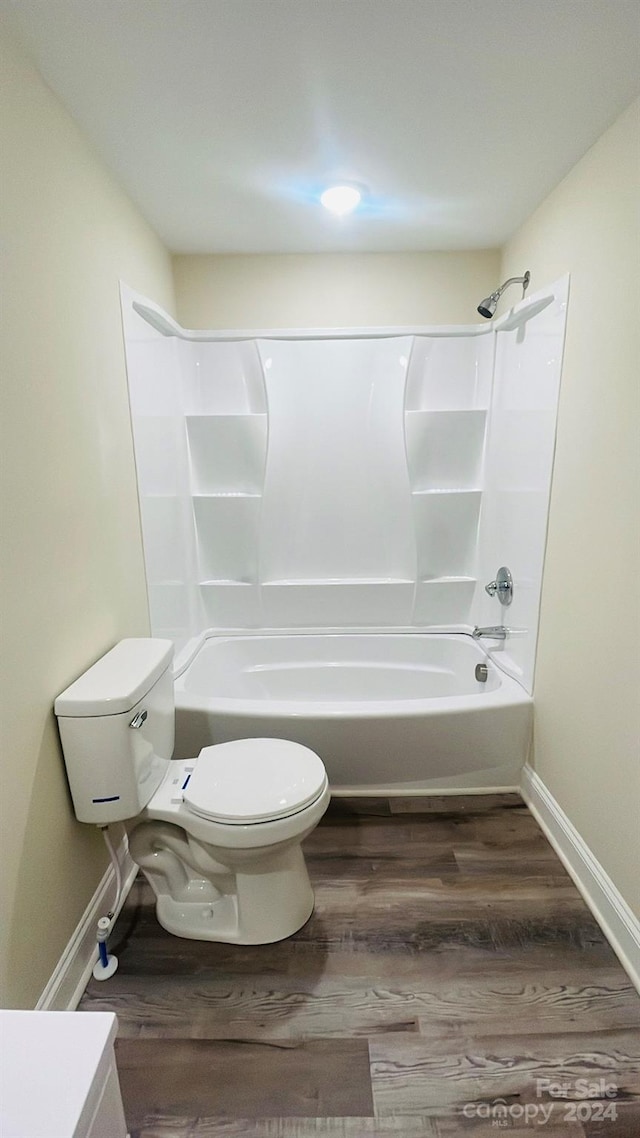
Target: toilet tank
(117, 728)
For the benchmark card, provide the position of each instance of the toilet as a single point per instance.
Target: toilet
(218, 836)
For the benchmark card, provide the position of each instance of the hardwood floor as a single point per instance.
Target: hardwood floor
(450, 962)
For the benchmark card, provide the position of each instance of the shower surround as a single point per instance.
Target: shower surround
(352, 480)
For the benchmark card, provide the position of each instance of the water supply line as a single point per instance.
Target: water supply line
(107, 963)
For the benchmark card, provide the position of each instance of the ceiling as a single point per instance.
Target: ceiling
(225, 119)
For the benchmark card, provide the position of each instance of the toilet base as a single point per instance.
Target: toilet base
(218, 921)
(254, 896)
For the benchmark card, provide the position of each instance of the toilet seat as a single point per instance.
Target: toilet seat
(250, 781)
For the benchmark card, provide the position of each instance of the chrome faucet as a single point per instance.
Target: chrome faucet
(494, 632)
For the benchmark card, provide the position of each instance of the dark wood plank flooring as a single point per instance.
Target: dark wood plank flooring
(450, 962)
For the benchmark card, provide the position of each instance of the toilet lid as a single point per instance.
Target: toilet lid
(254, 780)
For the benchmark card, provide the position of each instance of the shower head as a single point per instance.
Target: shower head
(487, 307)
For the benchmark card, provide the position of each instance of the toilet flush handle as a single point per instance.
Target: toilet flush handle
(138, 719)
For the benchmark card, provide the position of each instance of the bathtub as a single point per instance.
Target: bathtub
(397, 713)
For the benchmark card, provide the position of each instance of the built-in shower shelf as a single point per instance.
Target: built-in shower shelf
(447, 581)
(228, 603)
(227, 532)
(446, 525)
(227, 453)
(417, 413)
(227, 581)
(443, 600)
(338, 581)
(470, 408)
(225, 494)
(445, 449)
(447, 490)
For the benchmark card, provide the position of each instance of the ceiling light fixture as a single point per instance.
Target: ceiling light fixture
(341, 199)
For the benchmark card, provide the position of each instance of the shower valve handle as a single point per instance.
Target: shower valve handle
(502, 587)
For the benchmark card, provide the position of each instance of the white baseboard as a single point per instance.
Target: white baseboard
(72, 972)
(620, 926)
(388, 790)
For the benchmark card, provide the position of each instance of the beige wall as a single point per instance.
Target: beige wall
(587, 715)
(73, 580)
(332, 290)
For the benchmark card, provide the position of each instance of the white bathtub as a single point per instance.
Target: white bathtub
(387, 712)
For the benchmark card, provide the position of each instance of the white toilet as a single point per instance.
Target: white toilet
(218, 836)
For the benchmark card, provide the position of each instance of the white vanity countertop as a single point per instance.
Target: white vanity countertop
(48, 1064)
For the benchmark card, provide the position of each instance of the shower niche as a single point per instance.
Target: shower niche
(447, 398)
(226, 431)
(340, 479)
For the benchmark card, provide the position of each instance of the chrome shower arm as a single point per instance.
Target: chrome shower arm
(524, 281)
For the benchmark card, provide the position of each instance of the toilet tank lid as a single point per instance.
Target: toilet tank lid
(118, 681)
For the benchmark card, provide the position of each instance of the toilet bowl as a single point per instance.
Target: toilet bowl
(223, 855)
(219, 836)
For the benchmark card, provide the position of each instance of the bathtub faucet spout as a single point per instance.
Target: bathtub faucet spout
(494, 632)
